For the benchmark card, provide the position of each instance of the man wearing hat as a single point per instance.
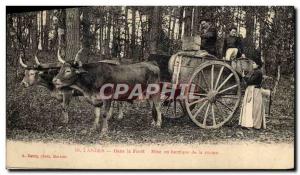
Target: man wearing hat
(208, 35)
(233, 46)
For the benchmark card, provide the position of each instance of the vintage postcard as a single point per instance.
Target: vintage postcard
(150, 87)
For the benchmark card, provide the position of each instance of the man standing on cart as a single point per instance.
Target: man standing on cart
(233, 46)
(208, 35)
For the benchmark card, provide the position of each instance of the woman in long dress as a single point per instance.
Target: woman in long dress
(253, 111)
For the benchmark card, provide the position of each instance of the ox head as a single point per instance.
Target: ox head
(33, 74)
(68, 72)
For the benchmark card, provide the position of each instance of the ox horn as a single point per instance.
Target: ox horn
(76, 60)
(37, 60)
(22, 63)
(77, 55)
(59, 57)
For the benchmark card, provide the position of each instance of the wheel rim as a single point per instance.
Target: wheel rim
(216, 93)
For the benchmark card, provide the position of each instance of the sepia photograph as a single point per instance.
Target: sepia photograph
(150, 87)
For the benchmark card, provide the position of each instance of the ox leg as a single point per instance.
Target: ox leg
(106, 106)
(110, 111)
(156, 111)
(154, 115)
(97, 118)
(65, 104)
(121, 107)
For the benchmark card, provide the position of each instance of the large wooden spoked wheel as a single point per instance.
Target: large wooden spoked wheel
(213, 95)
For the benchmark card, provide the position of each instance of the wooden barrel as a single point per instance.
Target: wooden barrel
(182, 67)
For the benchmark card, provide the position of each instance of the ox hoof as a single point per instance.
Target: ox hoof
(153, 123)
(103, 134)
(156, 124)
(120, 116)
(65, 121)
(109, 116)
(104, 130)
(83, 132)
(94, 128)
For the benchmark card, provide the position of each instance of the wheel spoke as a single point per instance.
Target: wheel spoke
(197, 101)
(198, 94)
(229, 96)
(205, 116)
(197, 81)
(169, 104)
(199, 110)
(212, 77)
(199, 84)
(174, 108)
(225, 81)
(225, 105)
(202, 88)
(204, 79)
(167, 97)
(219, 76)
(181, 105)
(219, 111)
(231, 87)
(213, 114)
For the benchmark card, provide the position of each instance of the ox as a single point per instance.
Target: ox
(89, 78)
(43, 74)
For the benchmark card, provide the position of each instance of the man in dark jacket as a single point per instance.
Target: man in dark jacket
(208, 35)
(233, 46)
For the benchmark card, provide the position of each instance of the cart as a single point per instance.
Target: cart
(216, 83)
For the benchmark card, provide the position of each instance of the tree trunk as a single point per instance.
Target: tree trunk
(196, 21)
(20, 44)
(181, 11)
(61, 29)
(101, 23)
(86, 34)
(172, 35)
(143, 35)
(100, 40)
(126, 49)
(249, 31)
(34, 44)
(118, 33)
(41, 31)
(170, 21)
(262, 33)
(133, 30)
(72, 33)
(188, 21)
(155, 28)
(173, 29)
(107, 40)
(46, 30)
(9, 29)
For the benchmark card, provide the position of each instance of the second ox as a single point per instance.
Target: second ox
(42, 74)
(89, 78)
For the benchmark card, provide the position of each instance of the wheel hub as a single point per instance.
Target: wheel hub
(212, 96)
